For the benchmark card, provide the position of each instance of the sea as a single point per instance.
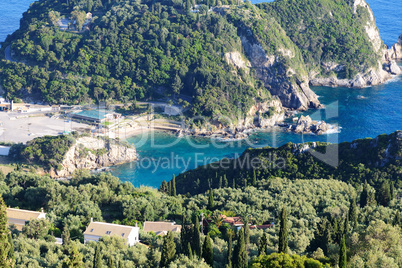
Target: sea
(354, 113)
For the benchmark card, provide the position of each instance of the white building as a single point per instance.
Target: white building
(17, 218)
(96, 230)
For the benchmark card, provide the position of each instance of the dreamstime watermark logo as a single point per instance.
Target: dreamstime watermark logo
(182, 164)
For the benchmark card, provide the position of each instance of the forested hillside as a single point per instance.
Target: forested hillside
(318, 213)
(372, 160)
(127, 50)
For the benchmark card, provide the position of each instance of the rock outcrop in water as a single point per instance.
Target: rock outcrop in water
(95, 153)
(306, 125)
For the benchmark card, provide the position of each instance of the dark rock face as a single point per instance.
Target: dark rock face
(269, 69)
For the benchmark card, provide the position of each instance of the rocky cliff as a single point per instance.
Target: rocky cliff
(293, 93)
(395, 52)
(94, 153)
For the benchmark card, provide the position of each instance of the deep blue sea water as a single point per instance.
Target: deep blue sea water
(359, 112)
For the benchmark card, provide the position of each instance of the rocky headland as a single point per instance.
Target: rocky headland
(95, 153)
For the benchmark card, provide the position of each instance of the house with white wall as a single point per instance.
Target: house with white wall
(17, 218)
(96, 230)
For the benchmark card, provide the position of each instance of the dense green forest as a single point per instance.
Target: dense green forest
(373, 160)
(313, 216)
(140, 49)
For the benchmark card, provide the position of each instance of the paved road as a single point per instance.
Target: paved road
(7, 54)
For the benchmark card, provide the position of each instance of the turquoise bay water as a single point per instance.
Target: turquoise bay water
(359, 112)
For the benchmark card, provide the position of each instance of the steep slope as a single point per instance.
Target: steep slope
(374, 160)
(228, 59)
(339, 40)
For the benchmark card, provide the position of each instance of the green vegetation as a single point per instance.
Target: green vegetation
(377, 161)
(326, 31)
(315, 219)
(48, 151)
(139, 50)
(130, 50)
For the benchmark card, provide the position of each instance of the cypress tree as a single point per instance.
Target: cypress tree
(234, 184)
(392, 190)
(225, 180)
(230, 247)
(174, 185)
(364, 195)
(211, 204)
(220, 182)
(207, 252)
(196, 246)
(245, 183)
(283, 233)
(346, 224)
(190, 251)
(397, 219)
(342, 254)
(184, 237)
(263, 245)
(246, 231)
(4, 240)
(240, 253)
(353, 212)
(254, 178)
(169, 191)
(168, 250)
(98, 258)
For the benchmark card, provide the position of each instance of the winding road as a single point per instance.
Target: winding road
(7, 54)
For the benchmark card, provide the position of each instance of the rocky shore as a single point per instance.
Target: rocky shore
(95, 153)
(306, 125)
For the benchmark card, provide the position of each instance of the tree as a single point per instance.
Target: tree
(211, 204)
(174, 185)
(164, 187)
(367, 197)
(353, 212)
(397, 219)
(4, 242)
(98, 257)
(177, 85)
(74, 258)
(283, 232)
(152, 260)
(168, 250)
(11, 255)
(384, 194)
(263, 245)
(230, 247)
(66, 236)
(254, 178)
(240, 253)
(283, 260)
(207, 252)
(346, 225)
(196, 246)
(342, 254)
